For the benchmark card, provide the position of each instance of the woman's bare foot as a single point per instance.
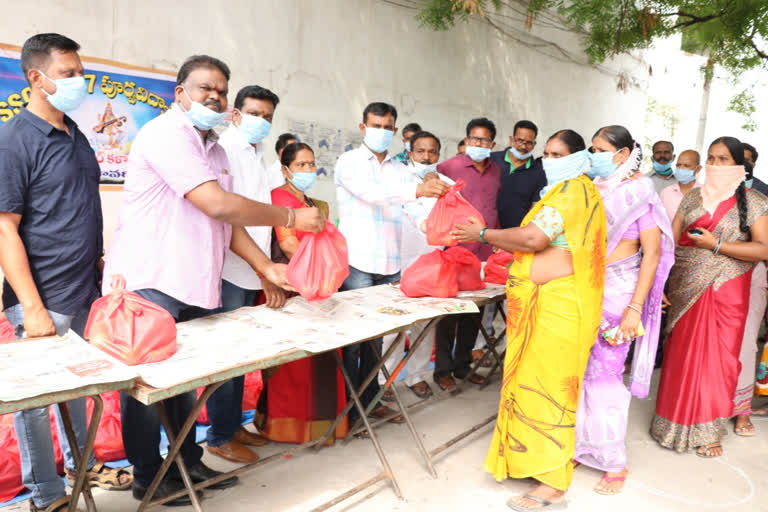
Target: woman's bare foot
(544, 492)
(710, 451)
(612, 483)
(744, 426)
(760, 411)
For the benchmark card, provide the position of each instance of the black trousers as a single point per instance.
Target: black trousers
(456, 359)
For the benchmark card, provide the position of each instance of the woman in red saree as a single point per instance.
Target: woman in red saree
(722, 231)
(304, 396)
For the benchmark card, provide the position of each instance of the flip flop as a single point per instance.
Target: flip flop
(610, 480)
(706, 453)
(760, 412)
(545, 504)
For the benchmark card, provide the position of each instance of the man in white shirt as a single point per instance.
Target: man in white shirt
(241, 286)
(424, 154)
(275, 170)
(371, 188)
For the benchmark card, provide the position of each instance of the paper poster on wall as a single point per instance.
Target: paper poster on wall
(328, 143)
(121, 99)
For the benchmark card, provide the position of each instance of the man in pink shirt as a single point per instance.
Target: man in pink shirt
(482, 179)
(176, 223)
(688, 166)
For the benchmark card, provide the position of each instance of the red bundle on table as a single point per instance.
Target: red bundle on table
(497, 267)
(450, 209)
(431, 275)
(320, 264)
(131, 328)
(467, 267)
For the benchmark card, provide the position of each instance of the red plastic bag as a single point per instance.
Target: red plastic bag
(131, 328)
(497, 267)
(320, 264)
(253, 388)
(467, 267)
(109, 437)
(449, 210)
(7, 332)
(431, 275)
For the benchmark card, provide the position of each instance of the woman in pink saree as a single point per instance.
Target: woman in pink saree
(640, 253)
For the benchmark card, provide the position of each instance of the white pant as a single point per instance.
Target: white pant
(489, 315)
(418, 365)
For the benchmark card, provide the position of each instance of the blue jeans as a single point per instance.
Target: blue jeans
(225, 405)
(141, 423)
(367, 351)
(33, 426)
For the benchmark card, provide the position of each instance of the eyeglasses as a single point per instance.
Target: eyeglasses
(525, 143)
(480, 141)
(304, 165)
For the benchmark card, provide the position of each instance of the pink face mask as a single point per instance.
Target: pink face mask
(720, 183)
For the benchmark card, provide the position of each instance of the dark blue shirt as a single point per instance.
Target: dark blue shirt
(520, 188)
(51, 179)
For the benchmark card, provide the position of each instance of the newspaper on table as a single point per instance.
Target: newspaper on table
(58, 363)
(209, 345)
(491, 291)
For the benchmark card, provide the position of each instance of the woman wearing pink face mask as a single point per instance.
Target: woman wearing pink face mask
(721, 231)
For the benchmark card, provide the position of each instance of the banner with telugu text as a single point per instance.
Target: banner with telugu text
(121, 99)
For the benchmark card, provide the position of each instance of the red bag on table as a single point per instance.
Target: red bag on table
(450, 209)
(468, 268)
(431, 275)
(131, 328)
(109, 438)
(7, 332)
(320, 264)
(497, 267)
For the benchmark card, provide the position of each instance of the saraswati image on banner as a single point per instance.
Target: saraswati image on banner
(121, 99)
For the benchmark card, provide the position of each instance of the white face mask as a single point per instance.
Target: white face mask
(424, 169)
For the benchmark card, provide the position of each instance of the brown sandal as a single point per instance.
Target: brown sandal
(103, 477)
(60, 505)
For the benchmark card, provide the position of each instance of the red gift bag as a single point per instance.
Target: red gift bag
(131, 328)
(467, 267)
(431, 275)
(320, 264)
(109, 438)
(449, 210)
(497, 267)
(7, 332)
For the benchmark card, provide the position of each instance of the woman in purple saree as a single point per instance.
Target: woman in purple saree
(640, 254)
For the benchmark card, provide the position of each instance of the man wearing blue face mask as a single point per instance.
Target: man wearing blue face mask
(371, 188)
(50, 245)
(687, 168)
(252, 120)
(408, 132)
(663, 157)
(522, 176)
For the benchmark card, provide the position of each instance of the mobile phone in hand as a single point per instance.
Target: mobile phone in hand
(695, 232)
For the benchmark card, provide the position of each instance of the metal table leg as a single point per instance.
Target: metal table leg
(491, 350)
(81, 460)
(174, 454)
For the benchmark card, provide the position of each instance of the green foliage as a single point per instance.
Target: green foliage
(657, 112)
(442, 14)
(744, 104)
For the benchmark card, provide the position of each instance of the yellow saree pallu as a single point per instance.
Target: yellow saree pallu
(550, 330)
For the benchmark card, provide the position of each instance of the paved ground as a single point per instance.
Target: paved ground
(660, 479)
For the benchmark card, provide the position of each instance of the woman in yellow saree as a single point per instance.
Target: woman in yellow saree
(554, 306)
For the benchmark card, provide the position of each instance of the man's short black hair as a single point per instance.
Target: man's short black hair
(425, 135)
(283, 141)
(653, 148)
(528, 125)
(200, 61)
(461, 143)
(37, 50)
(411, 127)
(751, 149)
(379, 108)
(257, 93)
(482, 122)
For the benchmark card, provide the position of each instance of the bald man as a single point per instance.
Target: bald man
(685, 172)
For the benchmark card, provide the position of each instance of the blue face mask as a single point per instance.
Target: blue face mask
(424, 169)
(378, 140)
(70, 93)
(748, 183)
(254, 128)
(478, 154)
(201, 116)
(519, 155)
(684, 176)
(303, 180)
(662, 169)
(408, 146)
(602, 164)
(564, 168)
